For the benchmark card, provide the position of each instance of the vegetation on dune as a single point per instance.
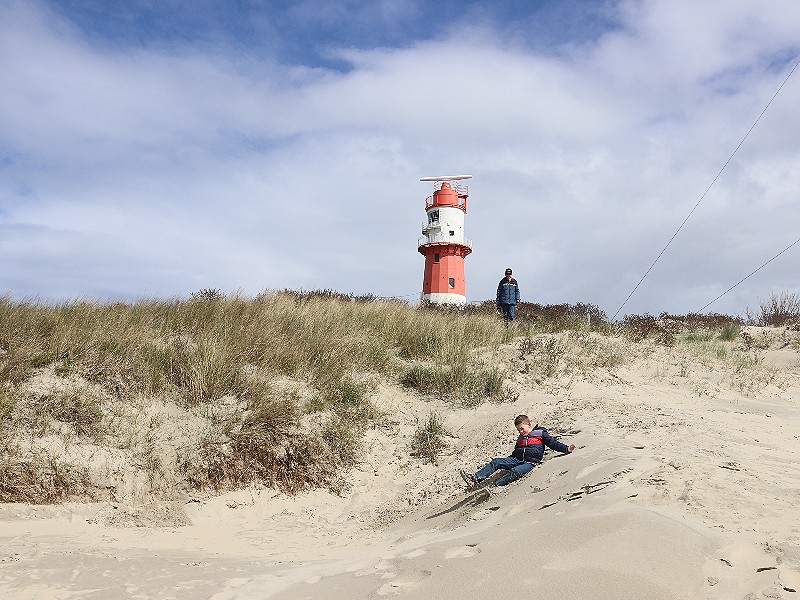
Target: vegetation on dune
(777, 310)
(273, 390)
(428, 441)
(216, 393)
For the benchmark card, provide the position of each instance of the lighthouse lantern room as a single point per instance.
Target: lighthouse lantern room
(444, 245)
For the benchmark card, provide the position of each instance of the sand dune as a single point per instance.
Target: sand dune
(685, 484)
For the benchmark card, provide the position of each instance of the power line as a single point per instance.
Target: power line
(397, 297)
(748, 276)
(706, 192)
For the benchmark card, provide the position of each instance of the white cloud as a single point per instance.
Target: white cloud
(157, 172)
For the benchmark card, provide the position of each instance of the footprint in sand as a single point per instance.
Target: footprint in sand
(586, 470)
(521, 507)
(404, 580)
(462, 551)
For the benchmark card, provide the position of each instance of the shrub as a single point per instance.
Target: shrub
(639, 327)
(667, 326)
(207, 295)
(780, 309)
(507, 394)
(693, 321)
(549, 317)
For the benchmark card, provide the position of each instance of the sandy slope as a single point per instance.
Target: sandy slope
(686, 484)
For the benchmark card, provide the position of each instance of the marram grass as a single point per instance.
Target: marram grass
(216, 393)
(273, 390)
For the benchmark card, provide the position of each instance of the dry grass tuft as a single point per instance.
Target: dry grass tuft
(41, 480)
(269, 447)
(80, 410)
(466, 385)
(428, 441)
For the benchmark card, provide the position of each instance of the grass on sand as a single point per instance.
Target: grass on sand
(164, 397)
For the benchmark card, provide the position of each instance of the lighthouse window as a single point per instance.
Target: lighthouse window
(433, 216)
(452, 282)
(452, 233)
(436, 257)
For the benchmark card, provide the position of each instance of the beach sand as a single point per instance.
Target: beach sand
(685, 485)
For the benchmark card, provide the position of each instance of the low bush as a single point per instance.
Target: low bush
(549, 317)
(778, 310)
(666, 326)
(639, 327)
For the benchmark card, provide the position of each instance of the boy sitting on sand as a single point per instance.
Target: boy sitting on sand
(528, 452)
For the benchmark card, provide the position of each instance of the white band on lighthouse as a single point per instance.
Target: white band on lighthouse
(439, 298)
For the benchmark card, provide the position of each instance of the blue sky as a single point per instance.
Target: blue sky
(151, 149)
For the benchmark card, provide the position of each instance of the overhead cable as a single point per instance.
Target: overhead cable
(748, 276)
(677, 231)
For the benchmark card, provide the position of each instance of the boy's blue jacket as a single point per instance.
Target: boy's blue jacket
(530, 448)
(507, 291)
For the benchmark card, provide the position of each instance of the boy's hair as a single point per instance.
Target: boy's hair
(522, 419)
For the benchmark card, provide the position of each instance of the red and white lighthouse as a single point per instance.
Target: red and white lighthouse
(444, 245)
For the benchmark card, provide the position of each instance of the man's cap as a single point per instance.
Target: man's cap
(508, 271)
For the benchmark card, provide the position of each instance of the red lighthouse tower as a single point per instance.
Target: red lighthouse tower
(444, 245)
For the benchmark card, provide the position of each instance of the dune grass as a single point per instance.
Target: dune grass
(214, 393)
(428, 442)
(272, 390)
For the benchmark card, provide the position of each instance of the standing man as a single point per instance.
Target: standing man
(507, 296)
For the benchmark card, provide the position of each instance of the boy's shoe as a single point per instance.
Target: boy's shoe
(469, 478)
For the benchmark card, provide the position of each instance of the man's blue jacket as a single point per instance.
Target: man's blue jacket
(507, 291)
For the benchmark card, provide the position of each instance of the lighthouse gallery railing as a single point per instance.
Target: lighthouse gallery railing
(443, 239)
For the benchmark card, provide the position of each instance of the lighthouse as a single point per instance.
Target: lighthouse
(444, 245)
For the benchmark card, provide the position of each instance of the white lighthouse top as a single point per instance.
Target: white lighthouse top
(446, 178)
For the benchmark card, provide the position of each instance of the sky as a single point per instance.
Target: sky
(151, 149)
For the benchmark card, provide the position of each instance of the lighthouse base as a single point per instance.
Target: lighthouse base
(444, 298)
